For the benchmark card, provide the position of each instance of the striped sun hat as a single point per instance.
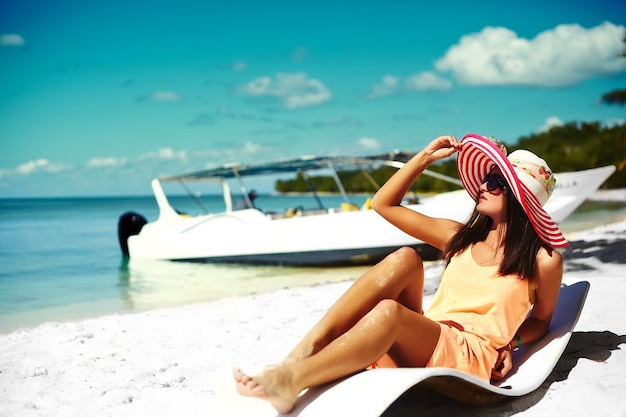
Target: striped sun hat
(528, 176)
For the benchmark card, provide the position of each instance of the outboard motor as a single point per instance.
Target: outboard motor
(129, 224)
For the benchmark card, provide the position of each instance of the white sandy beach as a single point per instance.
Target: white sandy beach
(177, 362)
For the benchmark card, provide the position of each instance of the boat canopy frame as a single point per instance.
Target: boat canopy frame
(302, 165)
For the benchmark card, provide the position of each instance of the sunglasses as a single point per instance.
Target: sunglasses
(493, 182)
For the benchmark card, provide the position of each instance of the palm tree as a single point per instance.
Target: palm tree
(617, 96)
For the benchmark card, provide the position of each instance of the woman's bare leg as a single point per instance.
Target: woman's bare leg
(406, 335)
(400, 277)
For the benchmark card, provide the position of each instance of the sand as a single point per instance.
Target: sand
(177, 361)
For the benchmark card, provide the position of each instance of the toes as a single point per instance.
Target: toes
(243, 383)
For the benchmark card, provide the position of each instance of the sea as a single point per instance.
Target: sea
(60, 259)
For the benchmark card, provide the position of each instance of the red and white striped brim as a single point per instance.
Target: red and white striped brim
(477, 157)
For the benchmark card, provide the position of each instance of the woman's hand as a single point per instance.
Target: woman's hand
(503, 365)
(442, 147)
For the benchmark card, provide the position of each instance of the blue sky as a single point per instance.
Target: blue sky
(99, 97)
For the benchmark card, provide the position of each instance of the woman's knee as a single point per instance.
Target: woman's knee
(407, 257)
(398, 270)
(388, 310)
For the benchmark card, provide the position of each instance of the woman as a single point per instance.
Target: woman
(499, 265)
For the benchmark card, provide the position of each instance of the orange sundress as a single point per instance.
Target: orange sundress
(489, 308)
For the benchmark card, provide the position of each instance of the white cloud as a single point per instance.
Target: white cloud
(294, 90)
(369, 143)
(389, 85)
(563, 56)
(40, 165)
(165, 154)
(423, 81)
(427, 81)
(550, 123)
(106, 162)
(251, 147)
(12, 39)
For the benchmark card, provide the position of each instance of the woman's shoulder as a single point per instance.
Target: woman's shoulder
(549, 266)
(548, 257)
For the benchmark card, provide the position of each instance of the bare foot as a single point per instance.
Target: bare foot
(272, 385)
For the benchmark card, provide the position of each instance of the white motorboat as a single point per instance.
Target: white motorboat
(343, 235)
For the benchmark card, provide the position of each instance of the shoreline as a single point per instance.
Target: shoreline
(172, 295)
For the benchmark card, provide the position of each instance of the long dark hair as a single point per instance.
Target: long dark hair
(521, 243)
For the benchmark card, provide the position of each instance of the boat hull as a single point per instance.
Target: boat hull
(333, 238)
(322, 258)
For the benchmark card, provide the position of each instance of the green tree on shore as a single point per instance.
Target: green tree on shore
(576, 146)
(571, 147)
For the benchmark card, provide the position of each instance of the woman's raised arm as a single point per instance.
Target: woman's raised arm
(387, 201)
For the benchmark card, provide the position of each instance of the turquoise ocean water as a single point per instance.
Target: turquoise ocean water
(61, 260)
